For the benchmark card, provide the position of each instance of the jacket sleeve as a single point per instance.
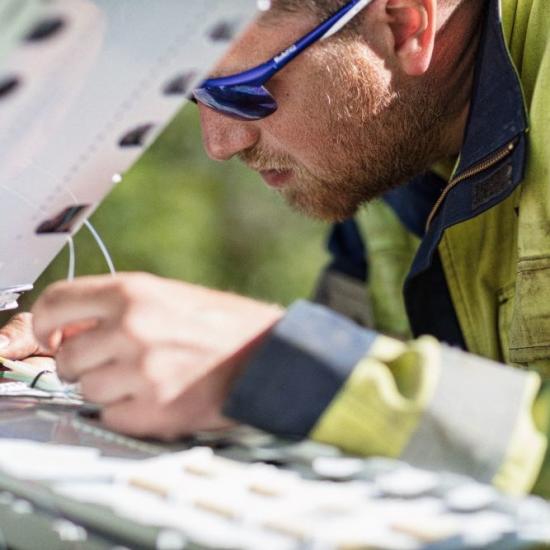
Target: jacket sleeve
(321, 376)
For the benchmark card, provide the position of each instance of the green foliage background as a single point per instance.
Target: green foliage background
(180, 215)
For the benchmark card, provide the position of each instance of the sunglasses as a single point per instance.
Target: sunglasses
(243, 96)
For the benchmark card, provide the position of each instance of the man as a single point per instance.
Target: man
(403, 91)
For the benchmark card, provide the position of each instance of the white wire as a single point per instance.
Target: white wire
(72, 259)
(95, 234)
(102, 247)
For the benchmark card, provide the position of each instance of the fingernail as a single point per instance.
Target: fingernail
(4, 341)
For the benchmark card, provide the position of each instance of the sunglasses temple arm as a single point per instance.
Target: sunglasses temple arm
(355, 10)
(326, 29)
(259, 75)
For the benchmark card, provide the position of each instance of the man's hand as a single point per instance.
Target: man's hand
(17, 342)
(160, 355)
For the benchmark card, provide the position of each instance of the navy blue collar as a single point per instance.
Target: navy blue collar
(497, 112)
(492, 165)
(497, 119)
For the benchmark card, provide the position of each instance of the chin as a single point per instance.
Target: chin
(322, 212)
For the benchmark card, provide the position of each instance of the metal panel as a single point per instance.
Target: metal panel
(97, 80)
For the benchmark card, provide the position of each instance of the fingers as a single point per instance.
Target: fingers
(19, 340)
(93, 348)
(111, 384)
(160, 356)
(76, 303)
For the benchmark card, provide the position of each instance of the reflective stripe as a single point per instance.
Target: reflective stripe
(467, 426)
(525, 455)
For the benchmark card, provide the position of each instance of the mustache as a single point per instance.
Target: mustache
(259, 160)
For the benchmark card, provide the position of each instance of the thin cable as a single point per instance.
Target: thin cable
(102, 247)
(72, 259)
(96, 236)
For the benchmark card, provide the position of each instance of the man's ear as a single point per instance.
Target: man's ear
(412, 25)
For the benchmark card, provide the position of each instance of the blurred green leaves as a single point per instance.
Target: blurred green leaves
(180, 215)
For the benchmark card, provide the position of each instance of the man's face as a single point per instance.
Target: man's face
(345, 131)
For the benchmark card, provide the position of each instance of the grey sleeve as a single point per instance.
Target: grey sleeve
(298, 371)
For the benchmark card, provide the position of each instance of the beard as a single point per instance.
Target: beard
(373, 138)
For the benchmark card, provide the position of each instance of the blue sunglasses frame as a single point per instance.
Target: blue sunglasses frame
(243, 96)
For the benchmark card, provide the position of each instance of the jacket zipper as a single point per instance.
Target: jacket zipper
(474, 171)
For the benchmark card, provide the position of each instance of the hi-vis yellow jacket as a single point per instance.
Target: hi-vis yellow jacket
(480, 281)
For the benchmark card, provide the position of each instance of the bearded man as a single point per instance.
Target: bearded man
(442, 108)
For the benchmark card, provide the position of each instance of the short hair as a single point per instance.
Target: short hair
(319, 9)
(322, 8)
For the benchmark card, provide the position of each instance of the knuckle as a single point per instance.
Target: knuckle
(128, 298)
(142, 364)
(131, 328)
(129, 286)
(22, 319)
(49, 296)
(122, 292)
(160, 397)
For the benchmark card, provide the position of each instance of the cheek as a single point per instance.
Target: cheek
(303, 127)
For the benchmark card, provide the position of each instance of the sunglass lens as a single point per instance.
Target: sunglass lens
(240, 102)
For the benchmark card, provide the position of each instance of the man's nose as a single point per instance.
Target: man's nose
(224, 137)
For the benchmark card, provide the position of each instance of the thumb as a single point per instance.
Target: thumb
(17, 339)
